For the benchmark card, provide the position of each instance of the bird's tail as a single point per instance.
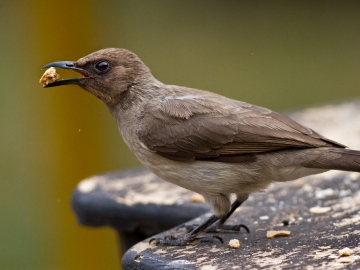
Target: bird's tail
(335, 159)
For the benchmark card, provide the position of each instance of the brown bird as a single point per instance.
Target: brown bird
(202, 141)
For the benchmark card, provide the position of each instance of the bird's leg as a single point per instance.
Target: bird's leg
(195, 228)
(222, 226)
(211, 220)
(209, 225)
(191, 236)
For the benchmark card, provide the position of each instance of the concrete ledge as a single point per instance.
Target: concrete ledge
(315, 239)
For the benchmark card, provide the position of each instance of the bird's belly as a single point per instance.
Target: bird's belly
(206, 177)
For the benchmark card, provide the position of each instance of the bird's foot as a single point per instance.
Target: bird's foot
(214, 228)
(171, 240)
(187, 227)
(224, 227)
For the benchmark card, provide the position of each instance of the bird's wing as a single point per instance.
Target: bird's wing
(220, 129)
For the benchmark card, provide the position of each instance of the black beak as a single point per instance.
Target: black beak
(67, 65)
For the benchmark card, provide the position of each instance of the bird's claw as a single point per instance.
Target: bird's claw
(210, 239)
(171, 240)
(187, 227)
(233, 228)
(236, 227)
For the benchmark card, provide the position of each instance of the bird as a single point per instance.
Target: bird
(202, 141)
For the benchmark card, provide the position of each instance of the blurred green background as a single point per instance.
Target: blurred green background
(278, 54)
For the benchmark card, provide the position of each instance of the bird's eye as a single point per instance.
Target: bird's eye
(102, 67)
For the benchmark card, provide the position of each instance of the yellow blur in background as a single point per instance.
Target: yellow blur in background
(281, 55)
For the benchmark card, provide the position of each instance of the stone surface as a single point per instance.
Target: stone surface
(135, 203)
(315, 239)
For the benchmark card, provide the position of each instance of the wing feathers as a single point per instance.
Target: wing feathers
(212, 127)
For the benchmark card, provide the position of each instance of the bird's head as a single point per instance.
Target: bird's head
(107, 74)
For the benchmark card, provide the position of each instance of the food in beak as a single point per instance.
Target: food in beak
(49, 76)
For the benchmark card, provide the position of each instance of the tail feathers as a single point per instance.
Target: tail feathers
(335, 159)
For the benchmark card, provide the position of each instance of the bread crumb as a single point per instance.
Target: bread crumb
(49, 76)
(345, 252)
(197, 198)
(319, 210)
(273, 234)
(234, 243)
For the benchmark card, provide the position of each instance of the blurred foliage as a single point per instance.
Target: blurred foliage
(278, 54)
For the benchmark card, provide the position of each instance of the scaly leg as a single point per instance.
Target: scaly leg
(205, 226)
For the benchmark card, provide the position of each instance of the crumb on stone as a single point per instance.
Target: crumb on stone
(273, 234)
(319, 210)
(345, 252)
(234, 243)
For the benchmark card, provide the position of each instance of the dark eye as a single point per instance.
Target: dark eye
(102, 67)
